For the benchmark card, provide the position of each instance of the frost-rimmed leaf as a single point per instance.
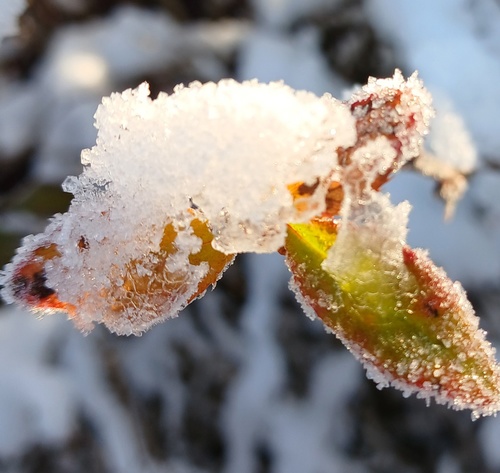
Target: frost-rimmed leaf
(146, 290)
(410, 326)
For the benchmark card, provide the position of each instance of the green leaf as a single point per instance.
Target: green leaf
(408, 324)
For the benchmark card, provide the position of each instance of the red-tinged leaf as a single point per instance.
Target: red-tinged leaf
(28, 283)
(143, 292)
(409, 325)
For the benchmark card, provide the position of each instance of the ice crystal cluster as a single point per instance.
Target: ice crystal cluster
(176, 186)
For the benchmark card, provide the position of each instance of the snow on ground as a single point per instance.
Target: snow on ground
(224, 378)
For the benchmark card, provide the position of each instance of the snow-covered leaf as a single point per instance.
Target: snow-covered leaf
(173, 188)
(145, 291)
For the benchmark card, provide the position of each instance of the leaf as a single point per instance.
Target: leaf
(155, 282)
(409, 325)
(27, 284)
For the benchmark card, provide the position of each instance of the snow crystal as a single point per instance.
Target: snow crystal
(453, 364)
(377, 228)
(419, 320)
(399, 112)
(52, 111)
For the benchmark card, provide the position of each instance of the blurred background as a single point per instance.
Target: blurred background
(242, 381)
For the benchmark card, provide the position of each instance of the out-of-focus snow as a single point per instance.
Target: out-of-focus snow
(52, 376)
(449, 139)
(468, 245)
(488, 436)
(98, 402)
(277, 14)
(9, 13)
(53, 111)
(299, 434)
(251, 398)
(91, 57)
(448, 464)
(303, 436)
(18, 118)
(271, 55)
(37, 401)
(448, 44)
(454, 46)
